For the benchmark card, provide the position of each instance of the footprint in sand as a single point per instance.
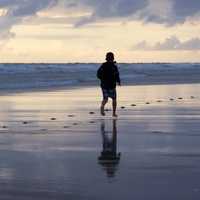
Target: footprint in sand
(147, 103)
(91, 113)
(171, 99)
(180, 98)
(53, 118)
(133, 105)
(158, 132)
(159, 101)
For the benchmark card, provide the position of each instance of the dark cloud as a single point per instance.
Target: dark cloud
(17, 10)
(167, 12)
(185, 8)
(29, 7)
(5, 3)
(117, 8)
(178, 10)
(156, 11)
(104, 9)
(170, 44)
(21, 8)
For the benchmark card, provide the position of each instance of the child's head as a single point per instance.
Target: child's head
(110, 57)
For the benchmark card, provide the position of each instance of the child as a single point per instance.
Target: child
(109, 76)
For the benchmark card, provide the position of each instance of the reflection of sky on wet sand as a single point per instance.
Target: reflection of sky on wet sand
(159, 145)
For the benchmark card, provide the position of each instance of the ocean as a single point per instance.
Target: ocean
(33, 76)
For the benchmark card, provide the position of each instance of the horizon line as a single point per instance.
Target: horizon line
(99, 63)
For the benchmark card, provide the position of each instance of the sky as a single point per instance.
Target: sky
(84, 30)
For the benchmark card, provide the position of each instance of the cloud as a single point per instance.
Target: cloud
(170, 12)
(167, 12)
(170, 44)
(29, 7)
(185, 8)
(5, 35)
(105, 10)
(21, 8)
(17, 10)
(156, 11)
(117, 8)
(5, 26)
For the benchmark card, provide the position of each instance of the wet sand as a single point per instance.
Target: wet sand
(55, 145)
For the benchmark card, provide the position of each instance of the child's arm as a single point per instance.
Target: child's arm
(118, 80)
(99, 73)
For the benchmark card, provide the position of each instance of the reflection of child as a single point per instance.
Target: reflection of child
(109, 75)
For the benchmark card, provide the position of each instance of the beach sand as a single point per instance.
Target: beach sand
(55, 144)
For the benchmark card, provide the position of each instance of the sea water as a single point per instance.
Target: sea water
(28, 76)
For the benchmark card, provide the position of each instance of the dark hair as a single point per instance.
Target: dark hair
(110, 56)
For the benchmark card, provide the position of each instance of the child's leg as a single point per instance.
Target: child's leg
(114, 104)
(103, 103)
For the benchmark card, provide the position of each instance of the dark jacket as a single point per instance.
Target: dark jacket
(109, 75)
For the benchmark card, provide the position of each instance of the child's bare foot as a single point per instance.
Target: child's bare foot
(115, 115)
(102, 111)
